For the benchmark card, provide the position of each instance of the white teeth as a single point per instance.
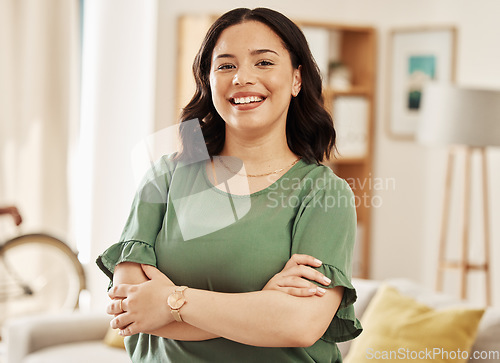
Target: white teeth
(247, 99)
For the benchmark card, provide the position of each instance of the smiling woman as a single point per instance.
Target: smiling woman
(208, 268)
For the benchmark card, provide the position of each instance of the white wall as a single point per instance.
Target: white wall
(405, 228)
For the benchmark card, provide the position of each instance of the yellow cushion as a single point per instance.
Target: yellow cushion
(113, 339)
(397, 328)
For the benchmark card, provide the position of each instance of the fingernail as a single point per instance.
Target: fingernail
(321, 290)
(327, 280)
(318, 262)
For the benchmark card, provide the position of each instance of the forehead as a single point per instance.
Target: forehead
(248, 36)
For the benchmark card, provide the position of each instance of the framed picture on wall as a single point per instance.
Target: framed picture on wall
(416, 56)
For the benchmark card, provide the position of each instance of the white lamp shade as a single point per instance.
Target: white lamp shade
(454, 115)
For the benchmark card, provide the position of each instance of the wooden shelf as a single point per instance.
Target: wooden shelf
(354, 48)
(329, 93)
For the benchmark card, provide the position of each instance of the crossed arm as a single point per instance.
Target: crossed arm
(290, 311)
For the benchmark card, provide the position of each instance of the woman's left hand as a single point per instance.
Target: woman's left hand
(144, 306)
(295, 278)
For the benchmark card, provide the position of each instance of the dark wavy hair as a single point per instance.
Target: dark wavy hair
(309, 127)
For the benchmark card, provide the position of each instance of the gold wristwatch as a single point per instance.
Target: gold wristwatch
(175, 301)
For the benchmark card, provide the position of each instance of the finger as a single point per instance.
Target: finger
(302, 284)
(306, 291)
(118, 291)
(320, 291)
(129, 330)
(302, 292)
(300, 259)
(308, 273)
(115, 307)
(121, 321)
(152, 272)
(295, 281)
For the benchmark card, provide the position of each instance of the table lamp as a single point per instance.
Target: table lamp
(470, 118)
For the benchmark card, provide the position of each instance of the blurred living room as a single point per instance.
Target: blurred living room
(90, 89)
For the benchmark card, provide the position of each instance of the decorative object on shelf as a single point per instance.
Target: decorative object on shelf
(318, 40)
(324, 44)
(339, 76)
(416, 56)
(350, 117)
(469, 119)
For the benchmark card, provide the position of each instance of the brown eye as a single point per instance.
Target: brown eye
(223, 67)
(265, 63)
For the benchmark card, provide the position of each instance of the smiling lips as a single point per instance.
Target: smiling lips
(251, 99)
(246, 102)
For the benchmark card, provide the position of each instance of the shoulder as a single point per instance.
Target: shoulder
(325, 192)
(156, 180)
(162, 167)
(321, 178)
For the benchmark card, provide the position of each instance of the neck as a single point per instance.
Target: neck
(258, 151)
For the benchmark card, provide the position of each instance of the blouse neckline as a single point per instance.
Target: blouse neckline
(258, 192)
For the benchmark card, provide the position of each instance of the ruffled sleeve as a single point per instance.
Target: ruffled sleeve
(145, 220)
(128, 251)
(326, 228)
(344, 326)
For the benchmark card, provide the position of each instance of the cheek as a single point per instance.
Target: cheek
(218, 95)
(217, 87)
(213, 84)
(280, 83)
(214, 89)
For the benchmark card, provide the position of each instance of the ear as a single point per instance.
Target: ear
(297, 81)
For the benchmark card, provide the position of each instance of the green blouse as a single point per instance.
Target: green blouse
(202, 237)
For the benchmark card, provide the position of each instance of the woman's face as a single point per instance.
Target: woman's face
(252, 78)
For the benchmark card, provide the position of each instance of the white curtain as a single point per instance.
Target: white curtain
(39, 83)
(117, 113)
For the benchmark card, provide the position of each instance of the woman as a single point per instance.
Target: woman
(233, 237)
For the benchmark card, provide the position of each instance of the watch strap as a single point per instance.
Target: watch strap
(177, 315)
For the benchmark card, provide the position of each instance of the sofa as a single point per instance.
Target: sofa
(79, 337)
(75, 337)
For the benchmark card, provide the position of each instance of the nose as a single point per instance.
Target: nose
(243, 76)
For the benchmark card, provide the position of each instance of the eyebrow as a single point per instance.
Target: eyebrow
(253, 52)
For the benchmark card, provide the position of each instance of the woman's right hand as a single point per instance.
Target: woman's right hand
(295, 278)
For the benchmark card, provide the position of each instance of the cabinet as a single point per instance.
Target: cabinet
(346, 57)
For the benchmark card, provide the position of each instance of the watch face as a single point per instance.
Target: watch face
(176, 300)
